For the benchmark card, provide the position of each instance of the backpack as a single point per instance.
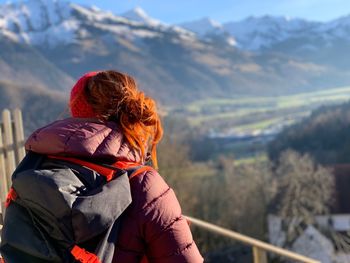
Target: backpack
(63, 209)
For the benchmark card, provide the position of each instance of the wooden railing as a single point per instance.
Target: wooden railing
(260, 248)
(12, 152)
(11, 149)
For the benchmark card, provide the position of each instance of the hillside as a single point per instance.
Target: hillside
(24, 65)
(39, 105)
(325, 135)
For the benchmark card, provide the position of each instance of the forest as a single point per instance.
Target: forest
(324, 135)
(239, 195)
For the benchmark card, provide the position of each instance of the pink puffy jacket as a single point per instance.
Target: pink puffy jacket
(153, 225)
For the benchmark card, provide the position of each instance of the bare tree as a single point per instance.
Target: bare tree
(305, 189)
(237, 197)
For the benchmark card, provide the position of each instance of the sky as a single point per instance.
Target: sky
(177, 11)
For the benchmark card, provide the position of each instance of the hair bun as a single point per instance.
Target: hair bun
(114, 96)
(140, 108)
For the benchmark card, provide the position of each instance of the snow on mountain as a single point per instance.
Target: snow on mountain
(254, 33)
(37, 21)
(52, 23)
(55, 22)
(203, 26)
(207, 28)
(34, 15)
(343, 22)
(139, 15)
(338, 28)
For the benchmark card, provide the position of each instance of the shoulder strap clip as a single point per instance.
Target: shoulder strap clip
(84, 256)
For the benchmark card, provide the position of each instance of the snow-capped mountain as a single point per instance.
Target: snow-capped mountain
(268, 32)
(51, 23)
(34, 15)
(139, 15)
(35, 21)
(55, 22)
(204, 26)
(338, 28)
(254, 33)
(209, 29)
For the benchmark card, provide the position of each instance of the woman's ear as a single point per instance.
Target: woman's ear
(148, 157)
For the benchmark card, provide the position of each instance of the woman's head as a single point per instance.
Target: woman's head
(114, 96)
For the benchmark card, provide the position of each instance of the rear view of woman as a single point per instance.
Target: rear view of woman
(113, 121)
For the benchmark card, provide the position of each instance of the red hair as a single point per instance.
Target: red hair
(114, 96)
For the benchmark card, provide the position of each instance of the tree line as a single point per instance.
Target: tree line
(240, 196)
(324, 135)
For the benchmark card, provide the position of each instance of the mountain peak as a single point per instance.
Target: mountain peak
(202, 26)
(139, 11)
(210, 21)
(139, 15)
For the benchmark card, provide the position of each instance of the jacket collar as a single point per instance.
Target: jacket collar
(83, 138)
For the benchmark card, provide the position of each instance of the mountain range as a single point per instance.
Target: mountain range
(50, 43)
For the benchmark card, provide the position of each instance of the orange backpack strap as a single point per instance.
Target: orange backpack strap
(134, 168)
(11, 196)
(140, 170)
(83, 256)
(125, 165)
(108, 171)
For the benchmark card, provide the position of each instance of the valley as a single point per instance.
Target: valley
(243, 126)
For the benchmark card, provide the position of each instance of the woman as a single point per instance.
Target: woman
(152, 225)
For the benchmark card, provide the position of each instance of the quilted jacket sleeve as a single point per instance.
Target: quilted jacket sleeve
(166, 232)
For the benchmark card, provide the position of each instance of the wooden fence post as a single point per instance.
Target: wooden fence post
(10, 161)
(259, 255)
(11, 151)
(3, 179)
(19, 135)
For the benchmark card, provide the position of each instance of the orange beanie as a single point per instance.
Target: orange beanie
(78, 104)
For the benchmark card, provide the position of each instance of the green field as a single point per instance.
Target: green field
(258, 113)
